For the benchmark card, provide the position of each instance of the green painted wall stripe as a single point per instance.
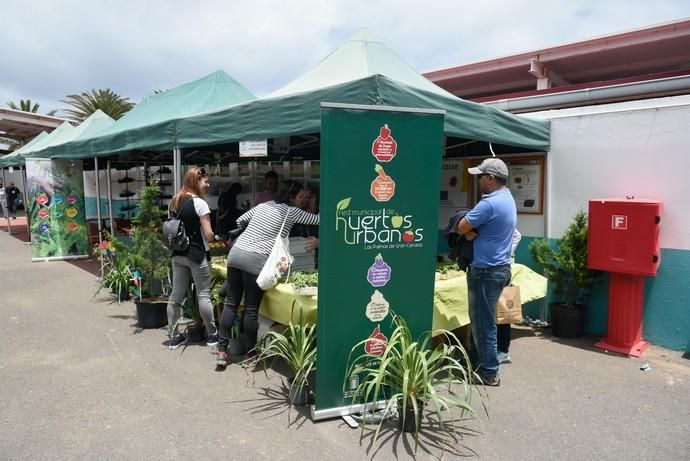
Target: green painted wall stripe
(666, 319)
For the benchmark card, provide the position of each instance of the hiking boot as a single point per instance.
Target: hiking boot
(212, 340)
(222, 359)
(503, 357)
(177, 341)
(493, 381)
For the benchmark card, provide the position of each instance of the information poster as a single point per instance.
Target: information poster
(377, 253)
(452, 183)
(525, 181)
(56, 209)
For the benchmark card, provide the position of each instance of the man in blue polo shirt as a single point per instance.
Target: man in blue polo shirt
(490, 224)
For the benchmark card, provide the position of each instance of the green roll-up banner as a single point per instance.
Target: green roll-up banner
(380, 176)
(56, 209)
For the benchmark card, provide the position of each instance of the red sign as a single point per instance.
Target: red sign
(383, 187)
(619, 222)
(384, 147)
(43, 213)
(376, 343)
(42, 199)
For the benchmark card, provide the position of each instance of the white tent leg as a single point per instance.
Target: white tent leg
(110, 200)
(177, 168)
(26, 207)
(98, 198)
(4, 206)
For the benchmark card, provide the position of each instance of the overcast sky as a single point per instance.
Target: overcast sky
(49, 49)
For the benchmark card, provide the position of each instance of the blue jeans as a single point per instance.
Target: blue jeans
(484, 286)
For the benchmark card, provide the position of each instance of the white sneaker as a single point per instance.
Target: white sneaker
(503, 357)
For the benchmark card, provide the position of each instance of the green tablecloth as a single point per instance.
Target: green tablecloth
(450, 298)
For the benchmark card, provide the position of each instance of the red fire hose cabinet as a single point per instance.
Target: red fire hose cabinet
(624, 240)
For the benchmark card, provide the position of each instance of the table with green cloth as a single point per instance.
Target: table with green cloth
(283, 302)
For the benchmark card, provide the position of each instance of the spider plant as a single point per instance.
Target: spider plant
(116, 273)
(296, 345)
(412, 374)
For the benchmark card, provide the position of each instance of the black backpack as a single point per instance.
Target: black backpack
(461, 250)
(174, 234)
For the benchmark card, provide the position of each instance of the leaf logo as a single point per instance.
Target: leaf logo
(343, 204)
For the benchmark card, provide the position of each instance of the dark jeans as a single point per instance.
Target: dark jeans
(240, 283)
(484, 287)
(12, 206)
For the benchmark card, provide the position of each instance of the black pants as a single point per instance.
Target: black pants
(503, 337)
(240, 283)
(12, 205)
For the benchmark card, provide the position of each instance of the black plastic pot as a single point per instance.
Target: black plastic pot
(152, 314)
(124, 293)
(237, 346)
(196, 333)
(298, 397)
(410, 423)
(568, 320)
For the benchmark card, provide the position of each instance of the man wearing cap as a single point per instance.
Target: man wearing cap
(490, 224)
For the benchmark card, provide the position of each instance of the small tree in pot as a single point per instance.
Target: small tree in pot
(151, 258)
(565, 265)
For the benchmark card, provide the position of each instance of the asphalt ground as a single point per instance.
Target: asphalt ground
(80, 381)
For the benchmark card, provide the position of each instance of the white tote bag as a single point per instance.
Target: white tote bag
(278, 263)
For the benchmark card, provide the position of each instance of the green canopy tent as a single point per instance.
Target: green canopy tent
(362, 71)
(94, 124)
(151, 124)
(18, 157)
(10, 159)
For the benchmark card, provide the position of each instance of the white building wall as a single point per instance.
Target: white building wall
(637, 148)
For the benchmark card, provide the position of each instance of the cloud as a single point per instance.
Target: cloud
(137, 47)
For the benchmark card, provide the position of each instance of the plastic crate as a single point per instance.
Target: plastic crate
(304, 260)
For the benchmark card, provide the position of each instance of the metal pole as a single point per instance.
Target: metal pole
(177, 168)
(4, 205)
(98, 197)
(22, 170)
(110, 200)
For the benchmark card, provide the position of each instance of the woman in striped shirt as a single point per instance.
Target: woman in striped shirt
(246, 259)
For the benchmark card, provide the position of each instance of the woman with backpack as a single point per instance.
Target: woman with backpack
(189, 207)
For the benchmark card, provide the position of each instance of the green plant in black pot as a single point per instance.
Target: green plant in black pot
(296, 346)
(116, 271)
(565, 265)
(412, 374)
(151, 258)
(192, 315)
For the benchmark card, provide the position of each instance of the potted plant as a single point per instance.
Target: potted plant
(565, 265)
(296, 345)
(116, 273)
(196, 331)
(151, 258)
(305, 283)
(236, 345)
(412, 375)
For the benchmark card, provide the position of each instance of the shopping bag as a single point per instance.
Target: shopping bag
(277, 265)
(509, 307)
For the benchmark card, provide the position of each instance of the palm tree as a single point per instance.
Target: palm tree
(88, 102)
(26, 106)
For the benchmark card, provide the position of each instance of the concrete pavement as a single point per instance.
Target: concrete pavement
(79, 381)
